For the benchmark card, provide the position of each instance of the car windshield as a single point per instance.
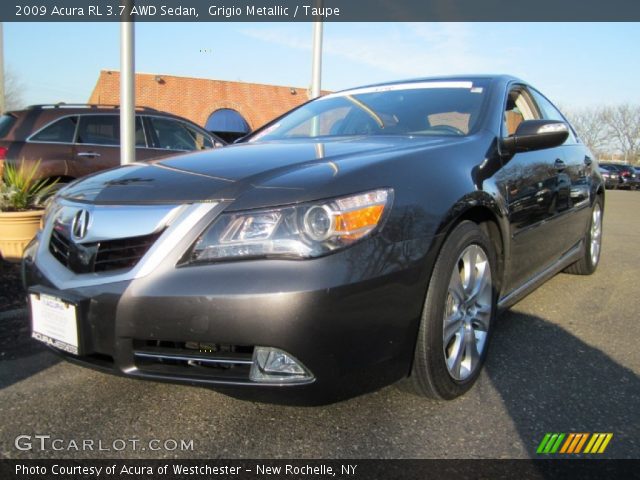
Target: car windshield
(444, 108)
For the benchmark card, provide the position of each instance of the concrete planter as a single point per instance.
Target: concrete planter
(16, 231)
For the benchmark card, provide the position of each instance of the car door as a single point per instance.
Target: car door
(573, 212)
(97, 143)
(533, 188)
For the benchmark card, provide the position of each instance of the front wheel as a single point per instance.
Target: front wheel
(457, 317)
(592, 243)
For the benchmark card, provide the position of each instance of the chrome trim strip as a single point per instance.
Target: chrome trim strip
(523, 290)
(113, 222)
(191, 379)
(196, 359)
(180, 221)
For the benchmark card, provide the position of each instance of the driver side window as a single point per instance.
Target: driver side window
(518, 109)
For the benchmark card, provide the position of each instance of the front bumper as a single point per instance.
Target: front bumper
(351, 318)
(631, 183)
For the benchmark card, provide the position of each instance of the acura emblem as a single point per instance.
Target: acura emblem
(80, 224)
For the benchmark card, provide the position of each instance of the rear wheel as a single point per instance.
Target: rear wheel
(592, 244)
(457, 317)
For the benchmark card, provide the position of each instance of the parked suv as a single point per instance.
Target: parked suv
(72, 141)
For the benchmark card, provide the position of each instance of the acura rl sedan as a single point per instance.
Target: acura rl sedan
(366, 237)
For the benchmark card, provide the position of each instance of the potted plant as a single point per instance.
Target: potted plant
(22, 199)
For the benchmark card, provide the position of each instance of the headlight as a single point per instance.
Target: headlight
(300, 231)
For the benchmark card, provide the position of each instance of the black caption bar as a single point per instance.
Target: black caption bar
(312, 10)
(317, 469)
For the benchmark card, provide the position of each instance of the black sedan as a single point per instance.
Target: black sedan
(627, 175)
(366, 237)
(611, 177)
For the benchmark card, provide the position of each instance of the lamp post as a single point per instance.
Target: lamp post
(127, 90)
(3, 104)
(316, 65)
(316, 68)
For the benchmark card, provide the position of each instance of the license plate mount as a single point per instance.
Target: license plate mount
(55, 321)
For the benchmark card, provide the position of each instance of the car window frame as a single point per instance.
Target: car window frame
(505, 99)
(83, 117)
(74, 141)
(30, 139)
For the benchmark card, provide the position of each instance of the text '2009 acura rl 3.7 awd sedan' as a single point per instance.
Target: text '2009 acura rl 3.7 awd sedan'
(365, 237)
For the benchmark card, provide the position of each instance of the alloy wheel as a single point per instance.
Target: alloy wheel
(467, 314)
(596, 234)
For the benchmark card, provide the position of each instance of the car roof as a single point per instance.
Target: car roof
(33, 118)
(62, 109)
(493, 78)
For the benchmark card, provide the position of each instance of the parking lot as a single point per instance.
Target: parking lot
(565, 359)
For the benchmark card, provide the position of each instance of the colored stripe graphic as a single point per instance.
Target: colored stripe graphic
(565, 447)
(598, 442)
(543, 443)
(550, 443)
(581, 443)
(553, 443)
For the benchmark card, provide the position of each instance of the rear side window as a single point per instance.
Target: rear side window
(174, 135)
(99, 130)
(6, 122)
(105, 130)
(61, 131)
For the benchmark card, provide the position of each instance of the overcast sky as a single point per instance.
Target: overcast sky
(573, 63)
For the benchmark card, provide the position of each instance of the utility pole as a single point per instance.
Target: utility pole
(3, 103)
(316, 66)
(127, 90)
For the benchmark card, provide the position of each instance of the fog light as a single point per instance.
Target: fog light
(271, 365)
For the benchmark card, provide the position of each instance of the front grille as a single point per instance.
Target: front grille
(215, 362)
(59, 246)
(122, 253)
(103, 256)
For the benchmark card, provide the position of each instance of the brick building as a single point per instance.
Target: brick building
(198, 98)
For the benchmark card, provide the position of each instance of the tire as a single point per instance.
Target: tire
(592, 243)
(445, 368)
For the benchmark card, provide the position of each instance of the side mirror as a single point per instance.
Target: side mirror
(535, 135)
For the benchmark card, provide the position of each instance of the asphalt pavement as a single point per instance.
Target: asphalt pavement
(565, 359)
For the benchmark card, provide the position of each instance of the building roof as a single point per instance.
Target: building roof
(197, 98)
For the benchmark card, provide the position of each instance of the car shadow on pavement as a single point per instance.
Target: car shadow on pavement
(20, 356)
(551, 381)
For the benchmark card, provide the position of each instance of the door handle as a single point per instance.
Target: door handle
(559, 165)
(88, 154)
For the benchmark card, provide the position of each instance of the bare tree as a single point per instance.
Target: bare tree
(13, 89)
(623, 122)
(591, 127)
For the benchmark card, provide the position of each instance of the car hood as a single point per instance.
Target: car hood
(286, 169)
